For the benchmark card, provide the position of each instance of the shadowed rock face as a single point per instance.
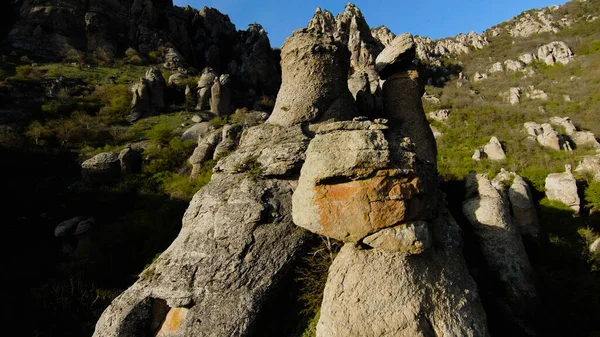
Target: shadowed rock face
(314, 87)
(502, 247)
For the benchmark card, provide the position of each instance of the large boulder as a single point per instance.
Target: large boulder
(493, 150)
(563, 187)
(315, 74)
(516, 190)
(397, 57)
(373, 292)
(101, 167)
(348, 188)
(204, 151)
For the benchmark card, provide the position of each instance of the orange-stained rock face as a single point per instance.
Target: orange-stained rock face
(172, 322)
(352, 210)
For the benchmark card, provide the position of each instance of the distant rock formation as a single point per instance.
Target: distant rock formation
(492, 150)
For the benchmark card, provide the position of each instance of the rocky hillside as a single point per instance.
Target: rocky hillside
(395, 185)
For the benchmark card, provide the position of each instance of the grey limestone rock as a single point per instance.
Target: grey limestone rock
(228, 141)
(591, 166)
(279, 151)
(148, 95)
(396, 57)
(101, 167)
(374, 292)
(204, 151)
(500, 242)
(130, 160)
(556, 51)
(197, 131)
(563, 187)
(314, 88)
(493, 150)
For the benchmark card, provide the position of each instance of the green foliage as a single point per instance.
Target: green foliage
(133, 57)
(592, 195)
(219, 121)
(251, 167)
(182, 187)
(27, 74)
(115, 98)
(169, 157)
(161, 133)
(38, 132)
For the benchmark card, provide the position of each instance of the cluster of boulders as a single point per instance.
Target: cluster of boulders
(534, 22)
(73, 232)
(590, 165)
(547, 136)
(431, 50)
(551, 53)
(492, 150)
(214, 93)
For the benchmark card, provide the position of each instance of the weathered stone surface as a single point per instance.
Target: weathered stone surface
(279, 151)
(173, 59)
(410, 238)
(546, 136)
(590, 165)
(204, 151)
(236, 244)
(228, 141)
(197, 132)
(516, 190)
(512, 96)
(148, 95)
(556, 51)
(488, 212)
(479, 76)
(396, 57)
(512, 65)
(436, 132)
(315, 74)
(404, 109)
(384, 35)
(493, 150)
(377, 293)
(478, 155)
(563, 187)
(101, 167)
(528, 58)
(496, 68)
(534, 93)
(348, 190)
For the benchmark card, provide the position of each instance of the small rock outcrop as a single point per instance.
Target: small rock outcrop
(590, 165)
(220, 96)
(205, 83)
(204, 151)
(148, 95)
(563, 187)
(556, 51)
(492, 150)
(314, 87)
(585, 139)
(512, 96)
(546, 136)
(499, 240)
(595, 246)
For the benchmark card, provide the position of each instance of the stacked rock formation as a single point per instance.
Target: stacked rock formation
(367, 184)
(238, 240)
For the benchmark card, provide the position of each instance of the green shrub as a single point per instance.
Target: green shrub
(38, 132)
(592, 195)
(182, 187)
(219, 121)
(161, 133)
(168, 158)
(133, 57)
(114, 98)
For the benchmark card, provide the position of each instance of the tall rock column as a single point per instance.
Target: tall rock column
(402, 93)
(314, 73)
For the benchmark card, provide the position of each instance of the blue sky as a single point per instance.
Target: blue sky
(433, 18)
